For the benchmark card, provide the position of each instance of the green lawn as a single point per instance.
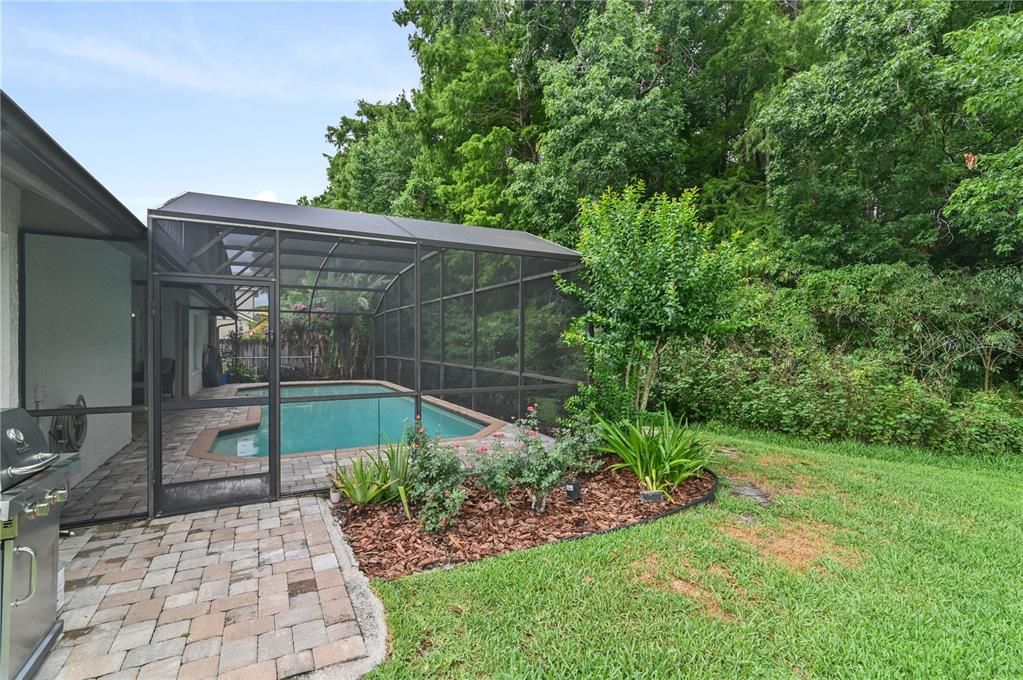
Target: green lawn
(875, 563)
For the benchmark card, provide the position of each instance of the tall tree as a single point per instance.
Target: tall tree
(864, 147)
(610, 120)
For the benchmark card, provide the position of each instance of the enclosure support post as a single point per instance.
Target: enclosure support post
(151, 375)
(475, 273)
(418, 333)
(274, 375)
(440, 313)
(522, 337)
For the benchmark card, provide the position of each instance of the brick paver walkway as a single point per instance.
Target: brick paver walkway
(253, 592)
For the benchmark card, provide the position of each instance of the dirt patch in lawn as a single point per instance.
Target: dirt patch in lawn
(728, 452)
(798, 545)
(800, 486)
(388, 545)
(765, 461)
(648, 572)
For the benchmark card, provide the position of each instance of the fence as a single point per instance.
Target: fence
(297, 363)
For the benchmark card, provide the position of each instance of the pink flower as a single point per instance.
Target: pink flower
(483, 448)
(499, 435)
(530, 408)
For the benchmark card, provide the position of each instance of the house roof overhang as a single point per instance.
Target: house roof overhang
(59, 196)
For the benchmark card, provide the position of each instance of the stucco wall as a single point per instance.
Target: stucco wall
(78, 335)
(10, 220)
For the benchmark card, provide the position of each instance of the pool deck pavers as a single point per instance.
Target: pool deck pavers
(268, 590)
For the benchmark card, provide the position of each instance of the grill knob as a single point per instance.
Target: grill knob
(40, 509)
(57, 496)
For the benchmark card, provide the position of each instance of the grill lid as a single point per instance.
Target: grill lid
(22, 448)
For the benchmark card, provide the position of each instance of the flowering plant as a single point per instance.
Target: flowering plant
(416, 436)
(436, 482)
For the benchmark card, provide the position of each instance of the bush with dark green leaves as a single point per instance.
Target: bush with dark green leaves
(823, 397)
(436, 485)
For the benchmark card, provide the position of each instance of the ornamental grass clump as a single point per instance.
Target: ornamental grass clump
(662, 452)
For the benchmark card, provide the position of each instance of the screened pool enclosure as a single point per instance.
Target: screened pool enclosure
(284, 335)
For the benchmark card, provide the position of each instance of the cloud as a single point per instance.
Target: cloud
(191, 66)
(267, 195)
(205, 77)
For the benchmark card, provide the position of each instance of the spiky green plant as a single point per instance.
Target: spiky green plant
(662, 452)
(396, 458)
(366, 483)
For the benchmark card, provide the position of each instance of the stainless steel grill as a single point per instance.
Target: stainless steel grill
(33, 485)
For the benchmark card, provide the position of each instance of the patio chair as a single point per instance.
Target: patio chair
(167, 377)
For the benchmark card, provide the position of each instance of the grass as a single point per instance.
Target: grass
(870, 562)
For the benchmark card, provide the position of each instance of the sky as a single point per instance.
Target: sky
(156, 99)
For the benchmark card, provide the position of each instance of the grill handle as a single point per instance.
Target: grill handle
(33, 575)
(39, 465)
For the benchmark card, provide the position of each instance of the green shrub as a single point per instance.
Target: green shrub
(987, 425)
(498, 470)
(662, 454)
(530, 463)
(577, 445)
(436, 485)
(237, 371)
(540, 470)
(823, 396)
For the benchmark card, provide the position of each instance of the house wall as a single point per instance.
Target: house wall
(78, 303)
(10, 220)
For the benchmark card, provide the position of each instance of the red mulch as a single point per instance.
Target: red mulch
(389, 545)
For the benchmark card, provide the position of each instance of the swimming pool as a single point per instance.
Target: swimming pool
(324, 426)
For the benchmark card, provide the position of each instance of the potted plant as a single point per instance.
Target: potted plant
(334, 481)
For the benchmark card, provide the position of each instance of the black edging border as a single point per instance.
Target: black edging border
(708, 497)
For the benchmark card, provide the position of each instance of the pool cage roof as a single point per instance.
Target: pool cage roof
(226, 236)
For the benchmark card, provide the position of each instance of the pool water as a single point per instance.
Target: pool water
(327, 425)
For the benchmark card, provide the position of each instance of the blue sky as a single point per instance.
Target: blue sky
(159, 98)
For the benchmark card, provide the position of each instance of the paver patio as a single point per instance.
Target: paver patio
(253, 592)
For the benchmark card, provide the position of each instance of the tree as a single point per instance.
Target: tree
(989, 324)
(866, 146)
(373, 162)
(985, 69)
(610, 120)
(653, 273)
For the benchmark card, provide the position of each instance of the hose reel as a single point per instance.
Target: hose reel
(67, 432)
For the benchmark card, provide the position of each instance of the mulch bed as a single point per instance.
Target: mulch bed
(389, 545)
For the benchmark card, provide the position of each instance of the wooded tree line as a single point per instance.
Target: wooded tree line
(873, 150)
(836, 133)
